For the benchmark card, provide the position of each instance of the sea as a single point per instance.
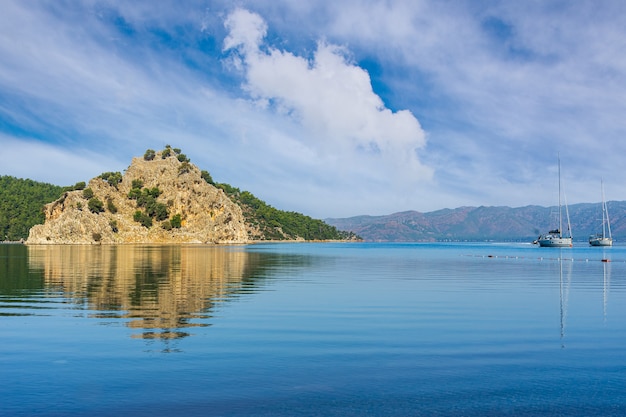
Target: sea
(313, 329)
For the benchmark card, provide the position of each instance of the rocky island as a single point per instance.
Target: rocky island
(161, 198)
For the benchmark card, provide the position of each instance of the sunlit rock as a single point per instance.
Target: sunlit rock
(206, 214)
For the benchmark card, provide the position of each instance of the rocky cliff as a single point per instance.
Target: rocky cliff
(159, 199)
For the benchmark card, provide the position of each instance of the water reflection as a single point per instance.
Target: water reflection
(587, 274)
(565, 281)
(606, 269)
(162, 291)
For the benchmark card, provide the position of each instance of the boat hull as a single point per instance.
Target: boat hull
(601, 241)
(555, 242)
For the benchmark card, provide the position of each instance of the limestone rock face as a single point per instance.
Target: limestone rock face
(207, 214)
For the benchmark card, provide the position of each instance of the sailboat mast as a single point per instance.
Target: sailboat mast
(603, 210)
(605, 213)
(560, 220)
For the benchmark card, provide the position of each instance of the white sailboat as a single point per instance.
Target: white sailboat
(555, 238)
(602, 239)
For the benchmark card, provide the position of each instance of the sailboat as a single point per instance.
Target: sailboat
(602, 239)
(555, 238)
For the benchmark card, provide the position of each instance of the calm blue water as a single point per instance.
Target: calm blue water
(358, 329)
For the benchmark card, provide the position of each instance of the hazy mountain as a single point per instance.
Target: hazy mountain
(484, 223)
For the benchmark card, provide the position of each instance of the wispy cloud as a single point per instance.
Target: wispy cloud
(29, 158)
(329, 108)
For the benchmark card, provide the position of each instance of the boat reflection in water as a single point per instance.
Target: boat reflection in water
(566, 267)
(606, 286)
(162, 291)
(565, 280)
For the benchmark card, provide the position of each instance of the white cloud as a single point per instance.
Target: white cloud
(246, 30)
(501, 103)
(98, 82)
(331, 98)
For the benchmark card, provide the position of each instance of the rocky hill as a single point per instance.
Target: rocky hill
(482, 223)
(161, 198)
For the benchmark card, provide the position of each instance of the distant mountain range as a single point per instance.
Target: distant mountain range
(483, 223)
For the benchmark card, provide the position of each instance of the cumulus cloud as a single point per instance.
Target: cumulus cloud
(328, 95)
(247, 30)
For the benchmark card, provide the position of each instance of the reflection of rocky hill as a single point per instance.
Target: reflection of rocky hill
(160, 290)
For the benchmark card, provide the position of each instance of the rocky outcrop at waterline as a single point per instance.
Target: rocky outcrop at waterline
(161, 198)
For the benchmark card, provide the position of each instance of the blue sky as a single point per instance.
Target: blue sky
(328, 108)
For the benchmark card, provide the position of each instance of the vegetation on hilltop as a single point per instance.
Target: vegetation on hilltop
(265, 222)
(21, 203)
(269, 223)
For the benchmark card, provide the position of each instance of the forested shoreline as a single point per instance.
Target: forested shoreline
(22, 202)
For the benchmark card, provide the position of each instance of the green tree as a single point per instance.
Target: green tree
(87, 193)
(78, 186)
(112, 178)
(231, 191)
(145, 200)
(154, 192)
(184, 168)
(207, 177)
(157, 210)
(146, 221)
(277, 224)
(176, 221)
(134, 193)
(21, 205)
(95, 205)
(160, 212)
(110, 206)
(149, 155)
(142, 218)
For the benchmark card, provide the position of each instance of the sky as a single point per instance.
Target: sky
(331, 109)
